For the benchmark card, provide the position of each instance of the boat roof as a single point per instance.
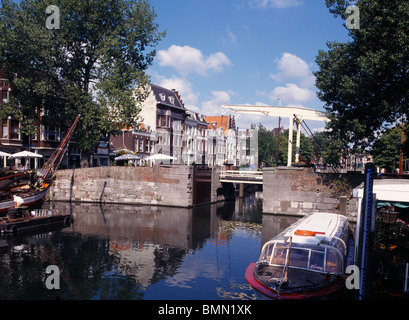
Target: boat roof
(316, 227)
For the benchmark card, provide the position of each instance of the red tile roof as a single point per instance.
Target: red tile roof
(225, 122)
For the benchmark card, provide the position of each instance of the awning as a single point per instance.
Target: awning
(382, 204)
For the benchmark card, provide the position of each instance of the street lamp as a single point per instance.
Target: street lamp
(389, 216)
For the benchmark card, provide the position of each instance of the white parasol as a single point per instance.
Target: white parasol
(25, 154)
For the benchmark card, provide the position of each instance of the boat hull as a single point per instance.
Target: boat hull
(270, 293)
(29, 200)
(22, 224)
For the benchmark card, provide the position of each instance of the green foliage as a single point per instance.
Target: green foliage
(267, 147)
(89, 66)
(365, 82)
(386, 149)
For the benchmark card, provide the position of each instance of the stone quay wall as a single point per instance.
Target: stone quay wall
(299, 191)
(157, 185)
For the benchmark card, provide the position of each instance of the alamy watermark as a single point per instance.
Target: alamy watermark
(52, 21)
(353, 281)
(53, 280)
(353, 20)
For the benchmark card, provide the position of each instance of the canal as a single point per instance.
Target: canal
(141, 252)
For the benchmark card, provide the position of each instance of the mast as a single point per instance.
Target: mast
(56, 158)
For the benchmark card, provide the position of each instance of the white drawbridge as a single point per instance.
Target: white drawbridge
(297, 115)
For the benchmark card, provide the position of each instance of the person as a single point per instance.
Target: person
(18, 201)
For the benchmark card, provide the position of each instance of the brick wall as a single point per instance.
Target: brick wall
(158, 185)
(299, 191)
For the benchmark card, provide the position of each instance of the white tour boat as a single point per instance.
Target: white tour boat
(307, 260)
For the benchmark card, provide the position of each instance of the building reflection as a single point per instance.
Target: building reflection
(111, 251)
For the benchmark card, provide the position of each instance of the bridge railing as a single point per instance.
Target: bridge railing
(241, 174)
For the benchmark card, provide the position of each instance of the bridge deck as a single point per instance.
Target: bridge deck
(241, 176)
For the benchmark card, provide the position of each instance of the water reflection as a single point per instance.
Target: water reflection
(137, 252)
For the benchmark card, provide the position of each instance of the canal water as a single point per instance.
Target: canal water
(140, 252)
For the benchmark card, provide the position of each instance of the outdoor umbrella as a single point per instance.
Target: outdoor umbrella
(4, 154)
(25, 154)
(127, 157)
(160, 156)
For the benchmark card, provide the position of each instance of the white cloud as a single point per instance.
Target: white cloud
(232, 38)
(212, 107)
(292, 93)
(187, 60)
(279, 4)
(292, 67)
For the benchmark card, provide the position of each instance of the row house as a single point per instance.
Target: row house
(164, 115)
(226, 144)
(194, 138)
(44, 141)
(169, 128)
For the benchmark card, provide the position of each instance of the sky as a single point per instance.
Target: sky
(243, 52)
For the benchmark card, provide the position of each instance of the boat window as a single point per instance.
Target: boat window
(279, 256)
(317, 260)
(334, 261)
(299, 258)
(266, 253)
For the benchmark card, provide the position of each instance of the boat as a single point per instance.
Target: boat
(12, 178)
(305, 261)
(32, 186)
(30, 197)
(17, 221)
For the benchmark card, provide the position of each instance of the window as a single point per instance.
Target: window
(4, 96)
(334, 261)
(172, 100)
(50, 133)
(140, 149)
(5, 129)
(14, 129)
(161, 121)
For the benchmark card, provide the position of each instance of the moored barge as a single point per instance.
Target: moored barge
(17, 221)
(307, 260)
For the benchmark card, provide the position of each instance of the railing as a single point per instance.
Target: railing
(242, 176)
(44, 213)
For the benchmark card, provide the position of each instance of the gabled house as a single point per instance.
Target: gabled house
(194, 138)
(222, 141)
(164, 114)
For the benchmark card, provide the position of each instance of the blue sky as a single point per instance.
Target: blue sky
(243, 52)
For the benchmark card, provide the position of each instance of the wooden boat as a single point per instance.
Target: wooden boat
(307, 260)
(18, 221)
(12, 178)
(30, 197)
(37, 184)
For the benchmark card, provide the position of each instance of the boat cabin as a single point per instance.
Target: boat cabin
(316, 243)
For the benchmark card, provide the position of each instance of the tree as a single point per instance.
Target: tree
(267, 147)
(89, 65)
(386, 149)
(365, 82)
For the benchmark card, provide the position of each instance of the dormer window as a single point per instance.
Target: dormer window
(172, 100)
(162, 97)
